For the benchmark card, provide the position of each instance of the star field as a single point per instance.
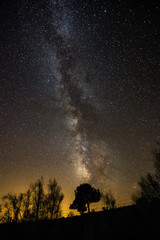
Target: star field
(79, 88)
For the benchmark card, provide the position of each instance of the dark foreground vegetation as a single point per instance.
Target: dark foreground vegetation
(122, 223)
(36, 214)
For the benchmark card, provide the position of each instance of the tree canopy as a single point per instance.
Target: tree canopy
(84, 195)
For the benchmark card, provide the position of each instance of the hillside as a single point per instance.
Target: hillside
(122, 223)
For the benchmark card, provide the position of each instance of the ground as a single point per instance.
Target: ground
(122, 223)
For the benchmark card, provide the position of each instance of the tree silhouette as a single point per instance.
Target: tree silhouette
(156, 159)
(148, 194)
(38, 197)
(27, 205)
(84, 195)
(53, 199)
(35, 204)
(13, 204)
(109, 200)
(7, 216)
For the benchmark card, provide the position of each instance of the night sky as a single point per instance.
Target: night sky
(79, 93)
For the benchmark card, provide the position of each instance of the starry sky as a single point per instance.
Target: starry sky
(79, 93)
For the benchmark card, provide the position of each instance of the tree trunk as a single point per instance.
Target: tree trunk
(88, 207)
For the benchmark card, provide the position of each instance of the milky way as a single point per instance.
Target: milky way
(75, 97)
(79, 93)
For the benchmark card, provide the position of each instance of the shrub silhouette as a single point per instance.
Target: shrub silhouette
(84, 195)
(109, 200)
